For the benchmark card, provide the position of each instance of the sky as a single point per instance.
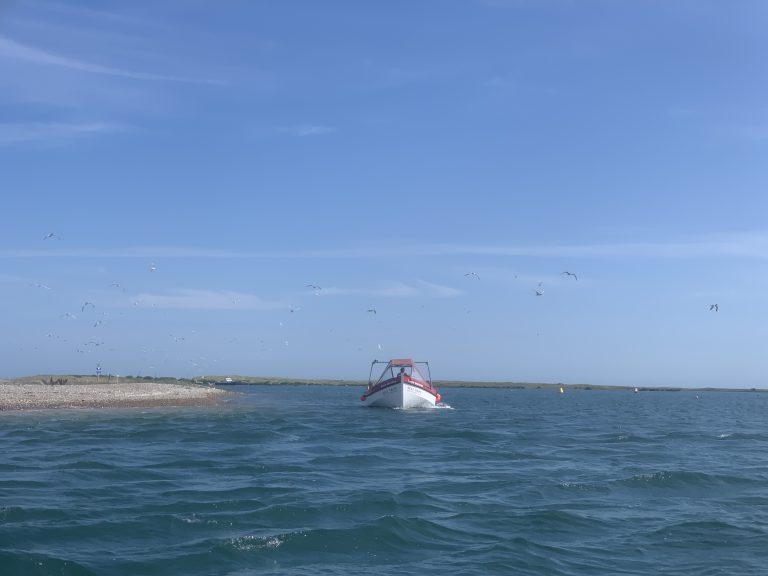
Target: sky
(295, 188)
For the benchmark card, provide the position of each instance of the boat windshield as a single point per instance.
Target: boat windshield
(393, 369)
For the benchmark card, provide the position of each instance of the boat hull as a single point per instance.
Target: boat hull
(400, 395)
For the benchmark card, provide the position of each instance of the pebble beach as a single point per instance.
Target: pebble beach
(43, 396)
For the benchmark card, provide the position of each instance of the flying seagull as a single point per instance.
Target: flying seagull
(85, 305)
(373, 310)
(569, 274)
(314, 286)
(472, 275)
(152, 267)
(714, 307)
(43, 286)
(540, 290)
(50, 235)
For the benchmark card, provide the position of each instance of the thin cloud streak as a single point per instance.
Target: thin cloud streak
(18, 51)
(205, 300)
(440, 290)
(52, 132)
(306, 130)
(396, 290)
(315, 130)
(736, 245)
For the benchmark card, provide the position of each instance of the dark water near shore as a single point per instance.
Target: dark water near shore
(301, 480)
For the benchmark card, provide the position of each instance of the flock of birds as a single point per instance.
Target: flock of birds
(87, 306)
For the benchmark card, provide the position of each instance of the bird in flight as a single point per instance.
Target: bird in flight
(314, 286)
(152, 267)
(85, 305)
(50, 235)
(540, 290)
(714, 307)
(372, 310)
(472, 275)
(43, 286)
(569, 274)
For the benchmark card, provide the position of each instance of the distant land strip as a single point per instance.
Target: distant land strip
(235, 379)
(240, 380)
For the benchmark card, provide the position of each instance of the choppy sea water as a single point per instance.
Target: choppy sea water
(304, 481)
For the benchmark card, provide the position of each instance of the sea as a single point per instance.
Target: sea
(302, 480)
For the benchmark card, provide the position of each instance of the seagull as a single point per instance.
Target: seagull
(68, 315)
(569, 274)
(85, 305)
(43, 286)
(714, 307)
(314, 286)
(540, 290)
(152, 267)
(50, 235)
(373, 310)
(472, 275)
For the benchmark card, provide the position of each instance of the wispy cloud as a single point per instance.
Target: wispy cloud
(440, 290)
(96, 17)
(728, 245)
(52, 133)
(14, 50)
(304, 130)
(205, 300)
(396, 290)
(315, 130)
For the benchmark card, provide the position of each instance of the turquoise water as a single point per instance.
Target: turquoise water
(302, 480)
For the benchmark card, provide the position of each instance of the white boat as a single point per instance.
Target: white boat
(401, 385)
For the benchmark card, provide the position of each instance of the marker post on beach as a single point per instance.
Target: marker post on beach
(98, 372)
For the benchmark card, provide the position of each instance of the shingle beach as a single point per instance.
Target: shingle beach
(42, 396)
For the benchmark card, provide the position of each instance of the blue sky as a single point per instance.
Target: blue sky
(188, 170)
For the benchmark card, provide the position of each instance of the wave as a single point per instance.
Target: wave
(26, 564)
(743, 436)
(682, 479)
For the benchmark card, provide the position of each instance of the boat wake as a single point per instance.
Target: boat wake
(438, 406)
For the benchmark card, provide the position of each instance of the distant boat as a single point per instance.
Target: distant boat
(228, 381)
(401, 385)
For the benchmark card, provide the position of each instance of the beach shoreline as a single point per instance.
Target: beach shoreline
(44, 396)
